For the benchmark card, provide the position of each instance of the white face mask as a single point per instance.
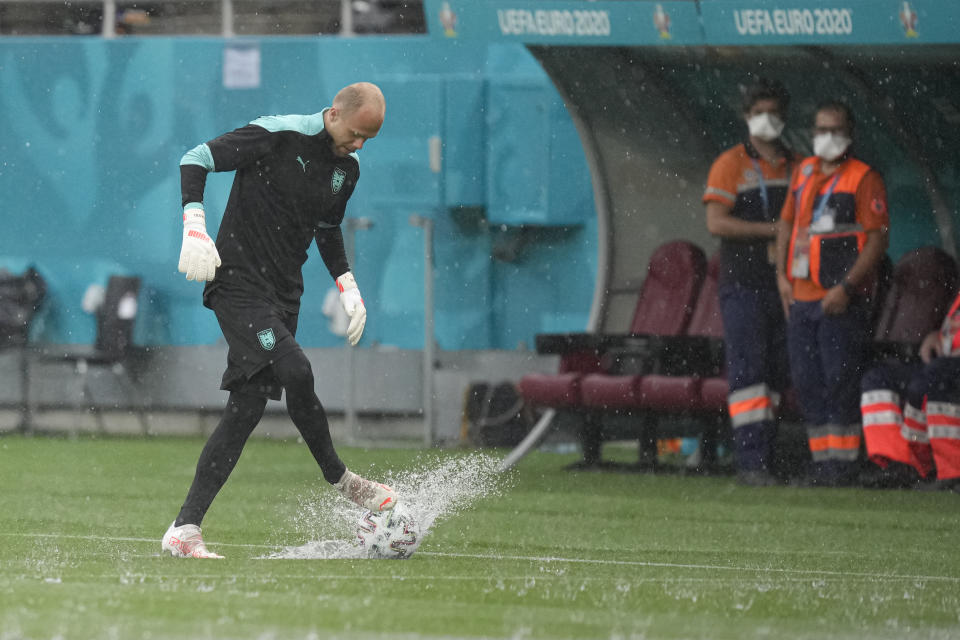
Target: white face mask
(830, 146)
(765, 126)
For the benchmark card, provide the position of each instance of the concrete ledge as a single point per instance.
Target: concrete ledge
(175, 391)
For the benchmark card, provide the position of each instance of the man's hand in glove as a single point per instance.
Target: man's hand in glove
(353, 305)
(198, 254)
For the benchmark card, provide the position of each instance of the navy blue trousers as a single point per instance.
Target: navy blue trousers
(827, 356)
(755, 342)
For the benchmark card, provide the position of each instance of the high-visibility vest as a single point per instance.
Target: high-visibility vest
(832, 253)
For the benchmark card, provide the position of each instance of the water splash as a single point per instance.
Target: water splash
(434, 490)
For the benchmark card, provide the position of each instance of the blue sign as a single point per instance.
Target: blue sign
(577, 23)
(708, 22)
(822, 22)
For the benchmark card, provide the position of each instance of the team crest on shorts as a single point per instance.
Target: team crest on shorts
(336, 181)
(267, 340)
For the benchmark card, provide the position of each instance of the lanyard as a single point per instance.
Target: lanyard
(823, 201)
(763, 189)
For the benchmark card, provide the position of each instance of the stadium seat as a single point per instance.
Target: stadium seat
(676, 386)
(665, 305)
(560, 390)
(674, 276)
(922, 286)
(20, 298)
(115, 316)
(879, 290)
(707, 322)
(667, 390)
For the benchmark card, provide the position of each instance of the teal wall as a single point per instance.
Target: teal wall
(92, 131)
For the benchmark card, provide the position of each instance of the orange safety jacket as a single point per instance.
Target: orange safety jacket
(833, 252)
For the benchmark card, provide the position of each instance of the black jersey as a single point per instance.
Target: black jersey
(289, 190)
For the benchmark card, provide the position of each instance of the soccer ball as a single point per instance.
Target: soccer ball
(391, 534)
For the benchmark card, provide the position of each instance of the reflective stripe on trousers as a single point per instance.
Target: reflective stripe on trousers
(883, 426)
(892, 434)
(914, 435)
(834, 442)
(943, 431)
(752, 412)
(751, 404)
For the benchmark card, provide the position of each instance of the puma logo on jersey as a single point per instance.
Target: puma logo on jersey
(302, 163)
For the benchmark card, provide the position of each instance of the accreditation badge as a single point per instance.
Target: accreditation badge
(800, 267)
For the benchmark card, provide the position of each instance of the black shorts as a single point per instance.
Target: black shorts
(258, 334)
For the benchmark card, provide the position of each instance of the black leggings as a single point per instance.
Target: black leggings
(241, 416)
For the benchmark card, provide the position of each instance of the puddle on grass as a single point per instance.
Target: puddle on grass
(431, 491)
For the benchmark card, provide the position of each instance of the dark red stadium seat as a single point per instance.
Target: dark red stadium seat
(646, 395)
(659, 392)
(664, 307)
(714, 392)
(560, 390)
(923, 284)
(708, 321)
(674, 277)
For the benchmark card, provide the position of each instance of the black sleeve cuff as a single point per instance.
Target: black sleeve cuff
(330, 244)
(193, 180)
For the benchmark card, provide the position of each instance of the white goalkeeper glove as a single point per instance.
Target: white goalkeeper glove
(198, 255)
(353, 305)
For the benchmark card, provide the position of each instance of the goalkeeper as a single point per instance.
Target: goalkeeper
(294, 175)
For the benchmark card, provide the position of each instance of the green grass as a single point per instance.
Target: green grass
(554, 555)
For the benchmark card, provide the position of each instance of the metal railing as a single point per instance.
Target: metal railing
(199, 17)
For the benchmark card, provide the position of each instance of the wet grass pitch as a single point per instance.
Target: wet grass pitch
(539, 552)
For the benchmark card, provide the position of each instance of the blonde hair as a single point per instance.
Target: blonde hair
(354, 96)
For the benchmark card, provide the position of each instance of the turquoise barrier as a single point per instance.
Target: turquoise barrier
(92, 132)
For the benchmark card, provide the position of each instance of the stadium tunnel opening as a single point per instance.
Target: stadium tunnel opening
(651, 121)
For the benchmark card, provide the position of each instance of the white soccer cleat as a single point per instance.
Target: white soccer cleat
(186, 541)
(370, 495)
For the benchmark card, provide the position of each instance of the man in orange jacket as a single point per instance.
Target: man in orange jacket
(831, 238)
(911, 413)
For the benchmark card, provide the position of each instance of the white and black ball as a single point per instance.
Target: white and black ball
(393, 534)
